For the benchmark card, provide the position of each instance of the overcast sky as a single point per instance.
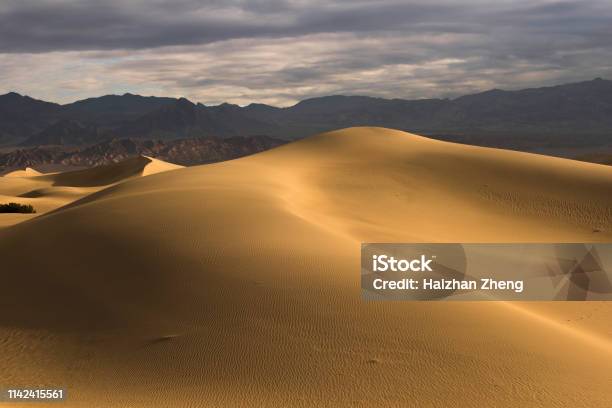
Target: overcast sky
(282, 51)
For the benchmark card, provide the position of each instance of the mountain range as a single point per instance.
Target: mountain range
(576, 114)
(179, 151)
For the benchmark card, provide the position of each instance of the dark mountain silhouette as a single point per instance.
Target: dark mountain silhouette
(580, 109)
(578, 114)
(66, 132)
(22, 116)
(181, 118)
(184, 119)
(114, 110)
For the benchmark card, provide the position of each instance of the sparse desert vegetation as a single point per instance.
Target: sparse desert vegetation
(17, 208)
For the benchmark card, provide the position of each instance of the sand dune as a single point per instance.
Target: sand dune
(47, 192)
(111, 173)
(237, 283)
(27, 172)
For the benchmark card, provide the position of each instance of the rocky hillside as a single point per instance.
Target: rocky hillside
(180, 151)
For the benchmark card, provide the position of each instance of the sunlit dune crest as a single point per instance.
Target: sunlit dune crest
(27, 172)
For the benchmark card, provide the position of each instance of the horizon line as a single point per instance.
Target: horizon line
(307, 99)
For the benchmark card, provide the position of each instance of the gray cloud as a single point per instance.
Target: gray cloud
(38, 26)
(280, 51)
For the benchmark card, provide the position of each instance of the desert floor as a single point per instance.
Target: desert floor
(237, 283)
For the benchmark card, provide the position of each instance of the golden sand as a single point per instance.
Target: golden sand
(237, 283)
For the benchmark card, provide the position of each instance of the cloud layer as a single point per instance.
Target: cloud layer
(279, 51)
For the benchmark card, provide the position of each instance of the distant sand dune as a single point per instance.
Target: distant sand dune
(237, 283)
(27, 172)
(111, 173)
(47, 192)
